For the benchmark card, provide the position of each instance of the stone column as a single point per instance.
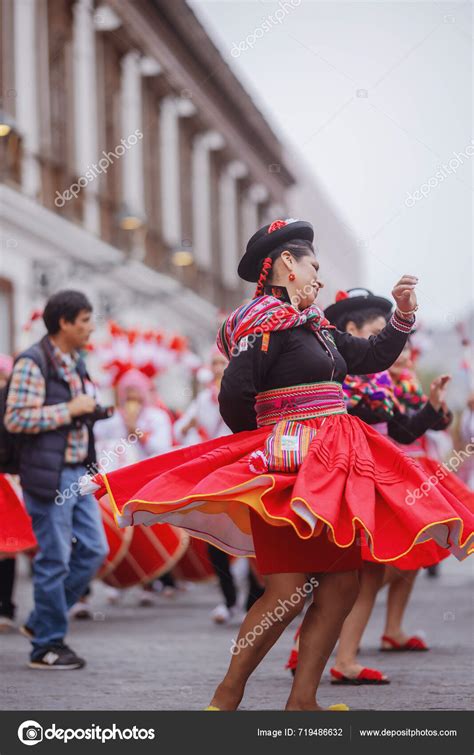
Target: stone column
(229, 220)
(132, 135)
(203, 145)
(85, 107)
(255, 196)
(172, 109)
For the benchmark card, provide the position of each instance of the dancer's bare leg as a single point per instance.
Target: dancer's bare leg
(371, 578)
(332, 601)
(400, 588)
(272, 613)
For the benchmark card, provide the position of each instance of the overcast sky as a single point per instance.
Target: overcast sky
(378, 98)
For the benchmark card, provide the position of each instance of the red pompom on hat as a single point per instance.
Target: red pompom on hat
(276, 225)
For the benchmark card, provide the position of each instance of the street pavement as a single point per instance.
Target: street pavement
(171, 656)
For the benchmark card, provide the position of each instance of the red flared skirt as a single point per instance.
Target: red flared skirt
(279, 550)
(352, 480)
(429, 553)
(16, 533)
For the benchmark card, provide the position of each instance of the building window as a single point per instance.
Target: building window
(7, 72)
(109, 105)
(155, 254)
(10, 141)
(56, 43)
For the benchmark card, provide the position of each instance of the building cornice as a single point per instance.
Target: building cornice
(171, 33)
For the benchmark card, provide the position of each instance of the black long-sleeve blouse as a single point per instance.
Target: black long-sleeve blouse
(406, 428)
(297, 356)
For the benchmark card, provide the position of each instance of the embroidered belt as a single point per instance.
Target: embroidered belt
(299, 402)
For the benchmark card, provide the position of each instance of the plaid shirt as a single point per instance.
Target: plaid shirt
(25, 410)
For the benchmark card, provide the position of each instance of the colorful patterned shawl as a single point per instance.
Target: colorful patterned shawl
(376, 392)
(409, 391)
(264, 314)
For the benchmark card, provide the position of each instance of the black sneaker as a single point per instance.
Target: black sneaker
(27, 631)
(57, 656)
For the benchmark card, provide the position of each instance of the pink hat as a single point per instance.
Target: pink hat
(6, 363)
(134, 379)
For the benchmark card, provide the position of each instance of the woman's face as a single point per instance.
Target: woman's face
(134, 396)
(305, 288)
(371, 328)
(402, 363)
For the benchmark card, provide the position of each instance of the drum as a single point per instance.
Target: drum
(118, 539)
(151, 552)
(195, 565)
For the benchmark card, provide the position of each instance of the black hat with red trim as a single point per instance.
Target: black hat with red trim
(356, 299)
(268, 238)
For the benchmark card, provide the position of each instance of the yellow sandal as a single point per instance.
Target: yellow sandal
(336, 706)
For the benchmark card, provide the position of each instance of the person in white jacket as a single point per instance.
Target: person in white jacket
(202, 421)
(138, 429)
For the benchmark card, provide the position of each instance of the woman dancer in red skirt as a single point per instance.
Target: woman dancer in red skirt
(300, 476)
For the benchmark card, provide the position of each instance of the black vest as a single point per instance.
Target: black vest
(42, 455)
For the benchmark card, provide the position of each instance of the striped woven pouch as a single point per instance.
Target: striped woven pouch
(287, 445)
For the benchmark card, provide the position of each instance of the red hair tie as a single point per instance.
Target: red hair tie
(340, 295)
(266, 267)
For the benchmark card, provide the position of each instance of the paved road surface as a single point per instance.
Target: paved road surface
(171, 656)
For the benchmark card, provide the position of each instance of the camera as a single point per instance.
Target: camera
(31, 733)
(100, 412)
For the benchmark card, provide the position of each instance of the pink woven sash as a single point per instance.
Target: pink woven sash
(299, 402)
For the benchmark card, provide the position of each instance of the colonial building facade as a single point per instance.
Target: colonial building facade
(134, 165)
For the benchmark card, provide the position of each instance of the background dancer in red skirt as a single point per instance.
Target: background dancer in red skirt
(300, 477)
(374, 399)
(401, 574)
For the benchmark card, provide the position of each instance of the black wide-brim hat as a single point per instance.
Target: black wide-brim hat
(356, 299)
(268, 238)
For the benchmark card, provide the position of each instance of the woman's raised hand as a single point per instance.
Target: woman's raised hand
(404, 294)
(438, 390)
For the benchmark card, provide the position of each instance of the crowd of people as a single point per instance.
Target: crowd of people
(297, 453)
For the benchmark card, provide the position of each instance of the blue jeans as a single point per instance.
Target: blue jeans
(72, 546)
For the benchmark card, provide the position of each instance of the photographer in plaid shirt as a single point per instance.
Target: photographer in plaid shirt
(51, 404)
